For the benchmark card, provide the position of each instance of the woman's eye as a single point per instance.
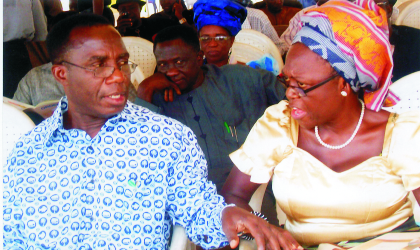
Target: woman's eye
(301, 85)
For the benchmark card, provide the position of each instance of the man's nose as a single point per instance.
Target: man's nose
(172, 71)
(117, 76)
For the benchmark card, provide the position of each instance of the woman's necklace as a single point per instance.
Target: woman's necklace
(352, 136)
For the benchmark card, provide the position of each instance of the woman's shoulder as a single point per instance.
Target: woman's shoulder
(406, 117)
(276, 117)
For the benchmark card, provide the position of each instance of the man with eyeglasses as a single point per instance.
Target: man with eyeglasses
(220, 104)
(103, 173)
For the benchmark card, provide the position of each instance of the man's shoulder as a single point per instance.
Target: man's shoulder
(136, 113)
(235, 72)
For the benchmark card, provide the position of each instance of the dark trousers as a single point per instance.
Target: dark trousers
(16, 64)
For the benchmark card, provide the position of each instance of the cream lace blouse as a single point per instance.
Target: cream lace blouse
(325, 206)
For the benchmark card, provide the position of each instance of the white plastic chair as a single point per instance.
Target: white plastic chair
(244, 53)
(259, 41)
(15, 124)
(408, 89)
(141, 53)
(180, 240)
(409, 14)
(137, 77)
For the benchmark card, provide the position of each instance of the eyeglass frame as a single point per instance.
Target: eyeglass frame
(132, 69)
(384, 3)
(225, 38)
(302, 92)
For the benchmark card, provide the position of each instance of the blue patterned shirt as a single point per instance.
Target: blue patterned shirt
(122, 189)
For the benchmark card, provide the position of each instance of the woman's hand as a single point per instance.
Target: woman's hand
(236, 220)
(158, 82)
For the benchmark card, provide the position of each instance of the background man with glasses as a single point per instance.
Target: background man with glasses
(103, 173)
(219, 104)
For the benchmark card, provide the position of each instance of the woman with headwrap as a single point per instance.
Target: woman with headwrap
(218, 22)
(342, 167)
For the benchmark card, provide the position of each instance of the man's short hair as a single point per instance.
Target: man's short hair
(58, 38)
(185, 33)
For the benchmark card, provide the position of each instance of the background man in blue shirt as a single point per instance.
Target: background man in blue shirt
(102, 173)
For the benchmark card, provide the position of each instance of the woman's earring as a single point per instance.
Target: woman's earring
(343, 93)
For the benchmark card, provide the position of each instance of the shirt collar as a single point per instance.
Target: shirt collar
(55, 122)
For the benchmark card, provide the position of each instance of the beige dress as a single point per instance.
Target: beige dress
(325, 206)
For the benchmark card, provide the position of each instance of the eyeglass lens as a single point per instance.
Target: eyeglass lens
(127, 69)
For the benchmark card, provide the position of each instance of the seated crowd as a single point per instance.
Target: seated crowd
(117, 167)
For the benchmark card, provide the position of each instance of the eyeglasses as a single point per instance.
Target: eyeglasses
(301, 92)
(107, 71)
(217, 39)
(380, 4)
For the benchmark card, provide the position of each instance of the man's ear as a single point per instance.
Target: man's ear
(200, 58)
(60, 73)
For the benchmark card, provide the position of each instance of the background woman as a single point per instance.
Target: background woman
(341, 168)
(218, 22)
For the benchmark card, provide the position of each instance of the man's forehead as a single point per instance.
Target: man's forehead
(172, 48)
(96, 36)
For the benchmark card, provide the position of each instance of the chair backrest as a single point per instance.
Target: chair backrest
(141, 53)
(409, 14)
(137, 77)
(15, 124)
(244, 53)
(408, 90)
(259, 41)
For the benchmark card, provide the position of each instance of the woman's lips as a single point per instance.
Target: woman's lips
(297, 113)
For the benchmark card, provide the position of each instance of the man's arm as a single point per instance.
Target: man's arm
(23, 92)
(13, 227)
(274, 89)
(155, 84)
(195, 204)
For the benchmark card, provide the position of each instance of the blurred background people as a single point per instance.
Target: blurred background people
(98, 7)
(176, 11)
(129, 22)
(257, 20)
(22, 22)
(278, 13)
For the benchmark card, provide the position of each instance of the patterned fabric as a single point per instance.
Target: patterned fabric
(286, 38)
(123, 189)
(353, 38)
(258, 20)
(224, 13)
(266, 62)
